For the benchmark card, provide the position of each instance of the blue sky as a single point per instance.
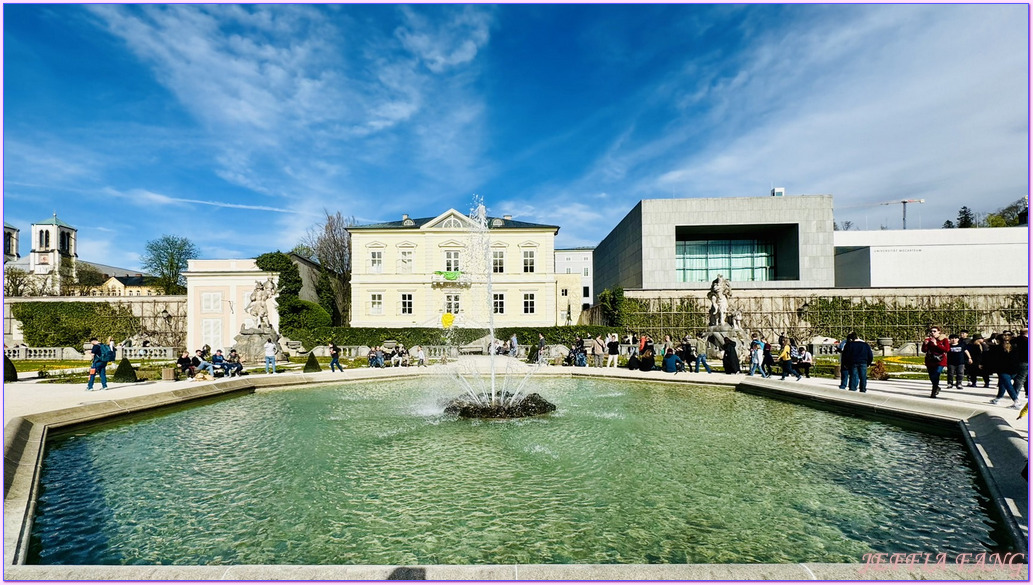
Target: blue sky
(235, 126)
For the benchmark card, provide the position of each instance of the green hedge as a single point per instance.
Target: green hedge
(411, 336)
(66, 324)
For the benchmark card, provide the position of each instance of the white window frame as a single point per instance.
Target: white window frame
(376, 261)
(528, 255)
(211, 333)
(452, 303)
(529, 304)
(376, 303)
(211, 302)
(498, 261)
(452, 223)
(405, 261)
(403, 307)
(453, 261)
(586, 271)
(498, 303)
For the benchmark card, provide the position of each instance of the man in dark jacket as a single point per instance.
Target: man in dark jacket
(857, 356)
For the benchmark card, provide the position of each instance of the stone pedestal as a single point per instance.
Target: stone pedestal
(250, 344)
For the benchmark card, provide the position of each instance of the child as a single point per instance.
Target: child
(957, 358)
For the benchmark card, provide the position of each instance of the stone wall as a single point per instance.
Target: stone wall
(805, 313)
(170, 330)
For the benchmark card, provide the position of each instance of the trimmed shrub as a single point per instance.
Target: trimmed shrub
(69, 324)
(878, 371)
(298, 316)
(125, 372)
(10, 372)
(312, 365)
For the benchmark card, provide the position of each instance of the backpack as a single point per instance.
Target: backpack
(106, 353)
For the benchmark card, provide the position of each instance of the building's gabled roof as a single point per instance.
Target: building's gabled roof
(110, 271)
(7, 225)
(136, 280)
(408, 223)
(55, 221)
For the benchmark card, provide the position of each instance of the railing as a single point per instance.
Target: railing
(146, 353)
(70, 353)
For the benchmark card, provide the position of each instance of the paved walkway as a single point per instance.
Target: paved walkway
(32, 397)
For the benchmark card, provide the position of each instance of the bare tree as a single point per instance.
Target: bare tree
(79, 279)
(330, 243)
(167, 258)
(16, 282)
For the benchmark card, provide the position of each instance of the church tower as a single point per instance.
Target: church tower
(10, 243)
(52, 241)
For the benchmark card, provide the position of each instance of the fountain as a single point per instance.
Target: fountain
(490, 401)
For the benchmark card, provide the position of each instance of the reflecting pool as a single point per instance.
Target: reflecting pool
(373, 473)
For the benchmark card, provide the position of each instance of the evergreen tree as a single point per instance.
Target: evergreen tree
(947, 225)
(966, 218)
(312, 366)
(10, 372)
(125, 371)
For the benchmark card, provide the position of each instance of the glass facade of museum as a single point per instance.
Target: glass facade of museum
(737, 260)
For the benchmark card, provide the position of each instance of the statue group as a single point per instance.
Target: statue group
(726, 336)
(259, 326)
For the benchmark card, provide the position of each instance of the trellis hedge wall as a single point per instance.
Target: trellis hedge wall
(902, 315)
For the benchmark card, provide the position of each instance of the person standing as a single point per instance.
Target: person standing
(785, 360)
(541, 348)
(1021, 345)
(335, 357)
(514, 346)
(957, 359)
(699, 358)
(731, 357)
(598, 350)
(270, 356)
(975, 352)
(935, 348)
(859, 356)
(99, 364)
(1007, 362)
(757, 358)
(420, 356)
(769, 360)
(613, 348)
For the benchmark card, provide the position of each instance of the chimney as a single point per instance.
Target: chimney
(507, 217)
(405, 216)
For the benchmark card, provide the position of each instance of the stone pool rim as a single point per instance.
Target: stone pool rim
(995, 448)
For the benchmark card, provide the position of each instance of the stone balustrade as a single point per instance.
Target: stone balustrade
(21, 352)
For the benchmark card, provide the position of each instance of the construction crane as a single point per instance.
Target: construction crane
(904, 202)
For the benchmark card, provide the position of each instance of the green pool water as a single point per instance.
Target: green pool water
(620, 473)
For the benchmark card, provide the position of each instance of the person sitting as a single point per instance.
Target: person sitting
(199, 363)
(673, 363)
(633, 361)
(235, 367)
(400, 357)
(647, 361)
(219, 361)
(379, 357)
(371, 357)
(185, 365)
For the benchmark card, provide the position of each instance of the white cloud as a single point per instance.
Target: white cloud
(912, 101)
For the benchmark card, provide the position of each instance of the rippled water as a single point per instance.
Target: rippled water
(621, 473)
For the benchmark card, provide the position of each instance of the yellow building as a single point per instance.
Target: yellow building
(410, 273)
(128, 286)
